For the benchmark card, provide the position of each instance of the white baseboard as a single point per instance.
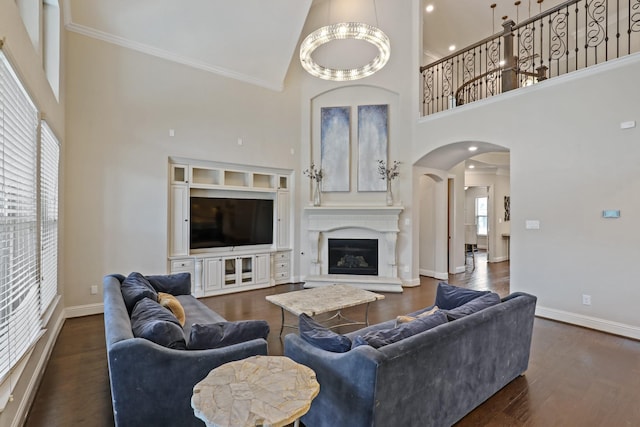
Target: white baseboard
(499, 259)
(590, 322)
(84, 310)
(460, 269)
(411, 283)
(434, 274)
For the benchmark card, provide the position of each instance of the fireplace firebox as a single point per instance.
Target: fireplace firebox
(353, 256)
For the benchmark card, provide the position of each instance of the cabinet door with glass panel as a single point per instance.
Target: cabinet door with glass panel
(238, 270)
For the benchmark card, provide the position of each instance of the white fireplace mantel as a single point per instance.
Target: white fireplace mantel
(379, 222)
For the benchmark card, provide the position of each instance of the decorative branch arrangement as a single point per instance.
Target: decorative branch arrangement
(313, 173)
(389, 174)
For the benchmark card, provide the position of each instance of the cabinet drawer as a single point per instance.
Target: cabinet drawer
(281, 256)
(281, 266)
(182, 265)
(281, 275)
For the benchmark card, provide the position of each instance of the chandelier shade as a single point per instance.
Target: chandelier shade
(343, 31)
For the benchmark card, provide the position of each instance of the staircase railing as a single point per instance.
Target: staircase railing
(573, 35)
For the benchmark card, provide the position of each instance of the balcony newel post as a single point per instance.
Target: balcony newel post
(510, 70)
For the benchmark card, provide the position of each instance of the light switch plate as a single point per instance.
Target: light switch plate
(532, 224)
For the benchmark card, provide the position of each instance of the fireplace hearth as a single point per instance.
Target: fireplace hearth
(353, 256)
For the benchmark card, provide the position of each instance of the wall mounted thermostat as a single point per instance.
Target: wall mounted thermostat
(611, 213)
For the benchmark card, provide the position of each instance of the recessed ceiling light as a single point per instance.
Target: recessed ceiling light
(452, 48)
(429, 8)
(473, 148)
(502, 63)
(471, 166)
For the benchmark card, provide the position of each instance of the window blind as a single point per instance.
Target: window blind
(49, 160)
(19, 302)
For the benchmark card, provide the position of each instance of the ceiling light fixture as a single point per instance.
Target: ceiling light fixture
(471, 166)
(473, 148)
(429, 8)
(452, 48)
(342, 31)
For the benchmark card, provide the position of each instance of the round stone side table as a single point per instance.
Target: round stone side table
(264, 391)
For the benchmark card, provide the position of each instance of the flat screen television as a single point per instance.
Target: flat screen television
(222, 222)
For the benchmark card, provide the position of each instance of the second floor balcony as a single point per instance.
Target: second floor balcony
(571, 36)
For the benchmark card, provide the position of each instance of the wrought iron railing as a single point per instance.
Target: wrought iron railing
(573, 35)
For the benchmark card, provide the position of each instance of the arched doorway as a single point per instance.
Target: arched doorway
(444, 175)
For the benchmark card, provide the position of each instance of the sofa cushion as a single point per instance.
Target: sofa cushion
(322, 337)
(222, 334)
(473, 306)
(409, 318)
(174, 284)
(382, 337)
(136, 287)
(448, 296)
(152, 321)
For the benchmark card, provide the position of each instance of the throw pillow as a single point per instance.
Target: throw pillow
(473, 306)
(174, 284)
(171, 303)
(222, 334)
(448, 296)
(151, 321)
(136, 287)
(382, 337)
(404, 319)
(322, 337)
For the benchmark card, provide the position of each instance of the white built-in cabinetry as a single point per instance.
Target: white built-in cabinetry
(225, 270)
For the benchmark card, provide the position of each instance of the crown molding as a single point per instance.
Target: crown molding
(432, 54)
(169, 56)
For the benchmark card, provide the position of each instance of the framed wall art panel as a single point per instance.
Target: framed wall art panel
(373, 137)
(335, 136)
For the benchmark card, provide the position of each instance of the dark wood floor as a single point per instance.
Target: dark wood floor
(576, 376)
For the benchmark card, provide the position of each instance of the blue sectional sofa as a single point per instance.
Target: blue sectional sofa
(151, 384)
(433, 378)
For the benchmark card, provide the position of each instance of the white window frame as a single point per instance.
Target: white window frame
(48, 190)
(28, 211)
(482, 216)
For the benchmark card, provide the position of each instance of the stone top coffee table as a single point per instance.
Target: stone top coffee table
(324, 299)
(265, 391)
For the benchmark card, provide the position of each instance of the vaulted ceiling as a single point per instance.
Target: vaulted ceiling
(249, 40)
(256, 40)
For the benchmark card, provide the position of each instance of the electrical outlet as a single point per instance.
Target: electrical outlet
(94, 289)
(586, 299)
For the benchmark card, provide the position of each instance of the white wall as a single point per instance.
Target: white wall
(569, 161)
(121, 105)
(428, 203)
